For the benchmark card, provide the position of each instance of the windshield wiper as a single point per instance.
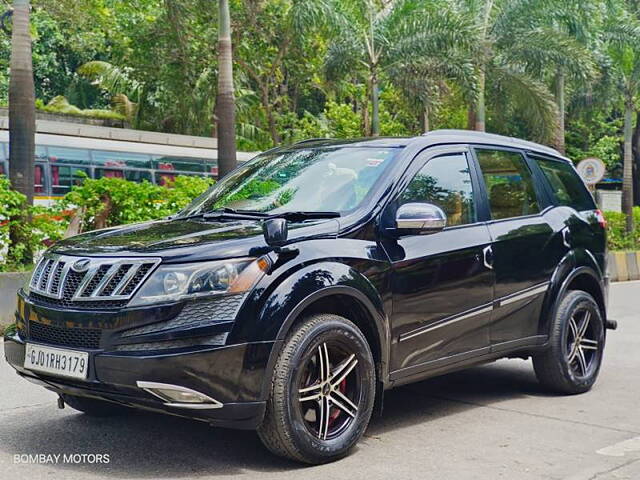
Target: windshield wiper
(232, 214)
(301, 216)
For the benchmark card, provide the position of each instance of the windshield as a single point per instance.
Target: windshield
(323, 179)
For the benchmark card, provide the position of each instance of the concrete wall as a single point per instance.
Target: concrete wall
(9, 285)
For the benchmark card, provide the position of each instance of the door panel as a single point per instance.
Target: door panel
(442, 291)
(524, 244)
(525, 252)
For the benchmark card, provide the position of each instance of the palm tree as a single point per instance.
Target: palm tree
(509, 42)
(553, 39)
(126, 93)
(22, 123)
(623, 46)
(225, 103)
(374, 38)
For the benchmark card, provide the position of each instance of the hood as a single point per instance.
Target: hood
(188, 240)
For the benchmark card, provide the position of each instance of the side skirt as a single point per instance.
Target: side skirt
(463, 360)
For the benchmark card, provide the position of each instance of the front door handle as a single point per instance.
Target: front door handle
(488, 257)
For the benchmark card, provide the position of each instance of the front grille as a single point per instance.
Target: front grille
(88, 283)
(88, 338)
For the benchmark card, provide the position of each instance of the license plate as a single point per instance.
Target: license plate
(56, 361)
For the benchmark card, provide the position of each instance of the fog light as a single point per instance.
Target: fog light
(180, 397)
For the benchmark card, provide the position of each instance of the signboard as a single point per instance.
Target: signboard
(591, 170)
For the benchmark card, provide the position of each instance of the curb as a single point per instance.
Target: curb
(624, 266)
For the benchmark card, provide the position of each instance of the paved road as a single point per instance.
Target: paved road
(489, 422)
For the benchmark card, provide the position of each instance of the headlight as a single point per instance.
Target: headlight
(175, 282)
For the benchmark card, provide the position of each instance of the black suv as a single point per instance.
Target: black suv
(312, 278)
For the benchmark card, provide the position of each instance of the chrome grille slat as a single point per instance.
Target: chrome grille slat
(38, 272)
(52, 273)
(107, 280)
(125, 280)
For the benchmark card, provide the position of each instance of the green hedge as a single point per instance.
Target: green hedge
(617, 238)
(35, 228)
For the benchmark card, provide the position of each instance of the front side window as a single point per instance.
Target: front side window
(566, 184)
(445, 182)
(509, 184)
(318, 179)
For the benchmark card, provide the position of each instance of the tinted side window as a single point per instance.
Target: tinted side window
(509, 184)
(566, 184)
(445, 182)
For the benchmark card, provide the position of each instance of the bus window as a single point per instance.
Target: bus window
(4, 151)
(3, 168)
(185, 164)
(123, 159)
(63, 178)
(131, 175)
(212, 169)
(41, 152)
(64, 155)
(38, 179)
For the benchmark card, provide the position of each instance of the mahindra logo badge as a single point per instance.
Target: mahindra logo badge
(81, 265)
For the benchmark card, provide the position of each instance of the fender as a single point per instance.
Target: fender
(313, 282)
(576, 262)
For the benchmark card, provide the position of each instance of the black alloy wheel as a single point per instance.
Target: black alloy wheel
(322, 391)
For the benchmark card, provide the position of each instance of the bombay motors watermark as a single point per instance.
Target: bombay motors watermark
(52, 458)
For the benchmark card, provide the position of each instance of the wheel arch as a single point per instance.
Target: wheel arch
(576, 271)
(362, 305)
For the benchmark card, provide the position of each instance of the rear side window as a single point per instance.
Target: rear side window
(567, 186)
(509, 184)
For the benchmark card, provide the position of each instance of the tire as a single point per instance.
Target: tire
(565, 367)
(93, 407)
(298, 429)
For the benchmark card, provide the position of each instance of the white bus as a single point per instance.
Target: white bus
(66, 151)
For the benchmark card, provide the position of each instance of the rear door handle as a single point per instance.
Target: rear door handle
(488, 257)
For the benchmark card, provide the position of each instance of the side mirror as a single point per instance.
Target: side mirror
(275, 232)
(424, 217)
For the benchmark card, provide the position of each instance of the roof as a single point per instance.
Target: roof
(471, 136)
(436, 137)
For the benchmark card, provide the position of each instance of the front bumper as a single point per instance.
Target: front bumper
(222, 373)
(165, 349)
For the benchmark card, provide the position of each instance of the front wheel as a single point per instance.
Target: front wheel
(571, 363)
(322, 391)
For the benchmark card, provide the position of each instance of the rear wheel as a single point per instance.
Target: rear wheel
(322, 391)
(93, 407)
(571, 363)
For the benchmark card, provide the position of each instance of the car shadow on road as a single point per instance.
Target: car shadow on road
(145, 445)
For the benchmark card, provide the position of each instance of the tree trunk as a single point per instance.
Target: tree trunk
(480, 109)
(22, 115)
(559, 88)
(375, 106)
(627, 178)
(425, 120)
(471, 118)
(225, 101)
(636, 161)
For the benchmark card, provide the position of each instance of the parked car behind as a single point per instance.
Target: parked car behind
(314, 277)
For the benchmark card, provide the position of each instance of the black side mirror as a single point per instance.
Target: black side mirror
(275, 232)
